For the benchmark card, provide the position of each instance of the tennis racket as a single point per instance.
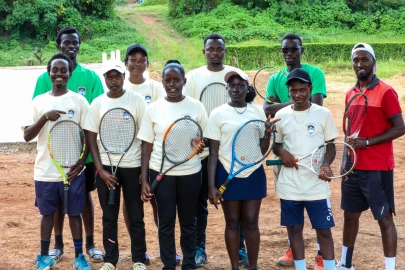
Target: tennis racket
(251, 144)
(180, 144)
(261, 80)
(353, 119)
(214, 95)
(66, 145)
(329, 157)
(117, 133)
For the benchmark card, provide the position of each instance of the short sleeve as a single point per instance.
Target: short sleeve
(146, 131)
(330, 130)
(42, 86)
(158, 91)
(98, 89)
(213, 129)
(318, 82)
(92, 121)
(279, 132)
(390, 104)
(33, 117)
(141, 107)
(204, 117)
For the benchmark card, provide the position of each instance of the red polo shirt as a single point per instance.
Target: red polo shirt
(383, 105)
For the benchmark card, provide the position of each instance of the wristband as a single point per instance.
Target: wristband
(367, 142)
(46, 116)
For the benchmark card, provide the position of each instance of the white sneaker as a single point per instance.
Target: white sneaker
(139, 266)
(108, 266)
(341, 266)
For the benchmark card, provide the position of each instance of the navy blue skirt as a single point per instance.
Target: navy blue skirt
(253, 187)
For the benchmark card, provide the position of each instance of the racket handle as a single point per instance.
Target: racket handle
(66, 198)
(222, 189)
(111, 195)
(274, 162)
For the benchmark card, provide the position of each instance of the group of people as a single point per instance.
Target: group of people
(294, 99)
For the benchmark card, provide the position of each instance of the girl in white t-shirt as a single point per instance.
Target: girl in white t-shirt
(242, 199)
(180, 186)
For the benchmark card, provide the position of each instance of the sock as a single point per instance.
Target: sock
(319, 248)
(300, 264)
(45, 247)
(390, 263)
(329, 264)
(343, 257)
(78, 243)
(59, 242)
(89, 242)
(349, 255)
(288, 239)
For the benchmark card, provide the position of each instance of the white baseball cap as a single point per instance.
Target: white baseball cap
(113, 64)
(239, 73)
(363, 47)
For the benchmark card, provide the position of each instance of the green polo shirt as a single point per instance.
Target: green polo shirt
(83, 81)
(276, 87)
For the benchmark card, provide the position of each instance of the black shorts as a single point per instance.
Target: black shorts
(369, 189)
(90, 174)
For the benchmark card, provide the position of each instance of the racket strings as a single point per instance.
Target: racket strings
(355, 113)
(214, 96)
(117, 130)
(178, 145)
(331, 157)
(252, 143)
(66, 143)
(261, 80)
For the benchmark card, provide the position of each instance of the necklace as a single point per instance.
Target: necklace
(309, 108)
(240, 112)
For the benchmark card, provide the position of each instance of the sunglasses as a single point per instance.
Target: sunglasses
(292, 50)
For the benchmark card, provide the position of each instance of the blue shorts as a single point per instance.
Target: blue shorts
(253, 187)
(48, 195)
(369, 189)
(319, 212)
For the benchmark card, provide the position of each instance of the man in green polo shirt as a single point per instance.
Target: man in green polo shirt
(277, 97)
(88, 84)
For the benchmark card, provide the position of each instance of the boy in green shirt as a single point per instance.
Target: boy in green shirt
(87, 83)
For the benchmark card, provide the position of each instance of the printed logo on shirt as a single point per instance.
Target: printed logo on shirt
(148, 99)
(70, 113)
(311, 129)
(126, 115)
(81, 90)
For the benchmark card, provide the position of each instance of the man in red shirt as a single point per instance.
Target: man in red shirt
(371, 185)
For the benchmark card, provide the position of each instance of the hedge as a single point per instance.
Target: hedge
(254, 57)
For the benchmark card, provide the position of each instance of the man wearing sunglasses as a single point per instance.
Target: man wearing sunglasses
(277, 92)
(277, 97)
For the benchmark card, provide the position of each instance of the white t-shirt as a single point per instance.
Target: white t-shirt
(158, 117)
(151, 90)
(222, 126)
(302, 132)
(136, 105)
(198, 79)
(75, 106)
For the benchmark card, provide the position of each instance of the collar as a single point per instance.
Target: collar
(372, 84)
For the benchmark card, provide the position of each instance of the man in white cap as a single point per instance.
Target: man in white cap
(371, 185)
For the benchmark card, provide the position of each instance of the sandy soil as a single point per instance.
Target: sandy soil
(19, 219)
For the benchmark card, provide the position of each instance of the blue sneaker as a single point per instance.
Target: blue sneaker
(243, 258)
(80, 263)
(200, 257)
(44, 262)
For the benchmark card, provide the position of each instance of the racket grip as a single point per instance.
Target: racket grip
(154, 186)
(111, 195)
(274, 162)
(222, 189)
(66, 199)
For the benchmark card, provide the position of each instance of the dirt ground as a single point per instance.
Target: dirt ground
(19, 219)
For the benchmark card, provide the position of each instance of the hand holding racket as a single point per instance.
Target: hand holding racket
(261, 80)
(66, 145)
(328, 161)
(251, 144)
(117, 133)
(181, 142)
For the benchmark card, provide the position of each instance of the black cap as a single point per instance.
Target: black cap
(298, 74)
(136, 47)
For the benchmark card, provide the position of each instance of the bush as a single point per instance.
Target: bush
(254, 57)
(154, 2)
